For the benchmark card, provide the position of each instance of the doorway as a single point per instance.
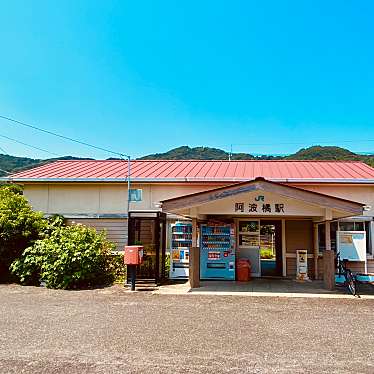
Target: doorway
(149, 230)
(271, 248)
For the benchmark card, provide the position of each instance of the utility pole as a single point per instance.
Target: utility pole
(128, 185)
(128, 182)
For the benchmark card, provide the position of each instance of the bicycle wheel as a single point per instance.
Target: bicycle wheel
(350, 283)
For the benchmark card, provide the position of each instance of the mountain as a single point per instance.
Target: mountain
(197, 153)
(312, 153)
(203, 153)
(13, 164)
(318, 152)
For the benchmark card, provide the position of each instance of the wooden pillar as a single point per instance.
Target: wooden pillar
(284, 249)
(327, 236)
(315, 250)
(194, 269)
(328, 260)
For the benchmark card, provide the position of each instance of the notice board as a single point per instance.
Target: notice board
(351, 245)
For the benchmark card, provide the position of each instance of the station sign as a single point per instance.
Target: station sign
(260, 205)
(255, 203)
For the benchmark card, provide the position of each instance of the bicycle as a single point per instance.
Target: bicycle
(345, 276)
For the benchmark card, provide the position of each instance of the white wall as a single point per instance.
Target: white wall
(78, 198)
(112, 198)
(360, 193)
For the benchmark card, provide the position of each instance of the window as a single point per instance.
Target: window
(352, 226)
(321, 237)
(359, 226)
(249, 233)
(249, 226)
(369, 242)
(346, 226)
(136, 195)
(333, 230)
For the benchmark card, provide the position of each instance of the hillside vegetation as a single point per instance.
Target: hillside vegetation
(13, 164)
(312, 153)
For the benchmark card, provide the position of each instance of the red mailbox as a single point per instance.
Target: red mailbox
(133, 255)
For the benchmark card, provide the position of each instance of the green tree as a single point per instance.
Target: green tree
(69, 257)
(20, 226)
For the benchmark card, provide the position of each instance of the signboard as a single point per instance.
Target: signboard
(259, 205)
(351, 245)
(302, 264)
(255, 203)
(135, 195)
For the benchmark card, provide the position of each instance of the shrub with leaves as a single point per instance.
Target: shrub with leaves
(118, 268)
(20, 226)
(70, 257)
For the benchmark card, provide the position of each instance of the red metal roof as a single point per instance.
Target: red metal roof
(200, 170)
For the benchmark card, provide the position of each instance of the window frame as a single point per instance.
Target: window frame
(368, 227)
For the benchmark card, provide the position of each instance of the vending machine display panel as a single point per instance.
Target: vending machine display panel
(217, 251)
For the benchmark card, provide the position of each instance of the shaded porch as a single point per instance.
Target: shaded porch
(296, 210)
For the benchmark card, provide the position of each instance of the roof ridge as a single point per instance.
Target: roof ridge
(204, 160)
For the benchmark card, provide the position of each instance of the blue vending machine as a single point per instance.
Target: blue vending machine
(217, 252)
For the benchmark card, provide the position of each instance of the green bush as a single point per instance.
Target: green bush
(70, 257)
(20, 226)
(118, 269)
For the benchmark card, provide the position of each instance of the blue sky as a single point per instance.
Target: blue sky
(145, 76)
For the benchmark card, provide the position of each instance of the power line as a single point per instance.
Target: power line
(63, 136)
(121, 155)
(29, 145)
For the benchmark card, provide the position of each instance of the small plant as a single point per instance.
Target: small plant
(70, 257)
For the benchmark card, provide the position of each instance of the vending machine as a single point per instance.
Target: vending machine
(217, 251)
(180, 242)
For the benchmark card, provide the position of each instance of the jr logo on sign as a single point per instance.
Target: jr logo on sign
(260, 198)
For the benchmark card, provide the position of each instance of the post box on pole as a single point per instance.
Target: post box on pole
(132, 258)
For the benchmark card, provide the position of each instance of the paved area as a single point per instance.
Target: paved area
(263, 287)
(113, 331)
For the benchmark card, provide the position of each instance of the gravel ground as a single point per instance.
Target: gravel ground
(112, 331)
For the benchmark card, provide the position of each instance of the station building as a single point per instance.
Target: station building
(271, 209)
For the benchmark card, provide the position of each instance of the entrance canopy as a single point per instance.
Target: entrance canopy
(262, 198)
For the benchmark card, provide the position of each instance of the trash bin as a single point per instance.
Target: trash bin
(243, 270)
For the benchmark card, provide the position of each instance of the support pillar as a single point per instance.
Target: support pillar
(328, 261)
(315, 250)
(194, 267)
(284, 249)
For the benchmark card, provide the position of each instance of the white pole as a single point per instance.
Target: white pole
(128, 185)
